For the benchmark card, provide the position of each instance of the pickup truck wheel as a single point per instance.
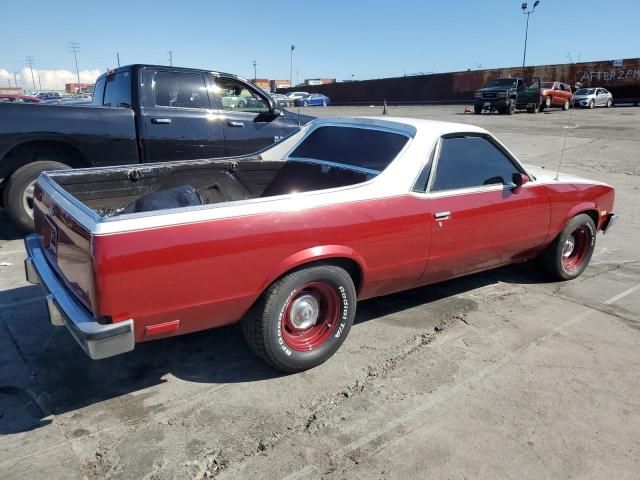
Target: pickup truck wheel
(18, 192)
(302, 319)
(477, 109)
(569, 254)
(565, 105)
(511, 108)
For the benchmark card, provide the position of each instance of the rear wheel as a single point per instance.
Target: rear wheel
(569, 254)
(324, 103)
(547, 102)
(303, 318)
(18, 192)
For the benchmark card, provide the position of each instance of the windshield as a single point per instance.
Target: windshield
(503, 82)
(546, 84)
(586, 91)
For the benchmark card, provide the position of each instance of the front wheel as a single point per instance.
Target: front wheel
(511, 108)
(305, 103)
(302, 319)
(324, 103)
(18, 192)
(565, 105)
(609, 103)
(477, 109)
(592, 104)
(570, 253)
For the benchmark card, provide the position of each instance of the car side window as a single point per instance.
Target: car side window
(237, 97)
(117, 91)
(471, 161)
(180, 90)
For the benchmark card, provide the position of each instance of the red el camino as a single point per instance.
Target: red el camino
(287, 241)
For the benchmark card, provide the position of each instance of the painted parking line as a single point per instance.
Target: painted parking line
(442, 395)
(621, 295)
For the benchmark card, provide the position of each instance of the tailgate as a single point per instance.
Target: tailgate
(67, 247)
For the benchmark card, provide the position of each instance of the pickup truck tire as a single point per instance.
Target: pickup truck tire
(570, 253)
(477, 109)
(18, 192)
(511, 108)
(302, 319)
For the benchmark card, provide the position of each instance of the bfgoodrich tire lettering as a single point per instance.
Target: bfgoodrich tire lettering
(570, 253)
(269, 330)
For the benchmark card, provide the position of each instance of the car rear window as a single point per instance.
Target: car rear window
(356, 147)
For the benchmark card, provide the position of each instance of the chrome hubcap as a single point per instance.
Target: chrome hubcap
(27, 198)
(304, 312)
(568, 247)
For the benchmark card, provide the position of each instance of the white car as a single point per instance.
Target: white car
(593, 97)
(296, 95)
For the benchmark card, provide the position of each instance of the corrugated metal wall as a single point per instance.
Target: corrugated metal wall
(621, 77)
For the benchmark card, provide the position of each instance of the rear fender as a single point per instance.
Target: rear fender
(314, 254)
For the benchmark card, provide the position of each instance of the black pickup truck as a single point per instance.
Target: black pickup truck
(139, 113)
(506, 95)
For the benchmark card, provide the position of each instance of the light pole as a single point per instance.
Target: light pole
(75, 48)
(293, 47)
(526, 32)
(255, 75)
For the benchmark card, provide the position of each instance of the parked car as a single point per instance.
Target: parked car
(506, 95)
(48, 95)
(313, 99)
(593, 97)
(296, 95)
(282, 100)
(5, 97)
(287, 241)
(156, 113)
(556, 94)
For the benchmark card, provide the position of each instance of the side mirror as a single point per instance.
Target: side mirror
(274, 107)
(518, 179)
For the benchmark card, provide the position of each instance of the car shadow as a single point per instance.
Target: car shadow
(8, 231)
(51, 375)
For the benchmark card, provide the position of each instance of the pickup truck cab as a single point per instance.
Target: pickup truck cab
(506, 95)
(139, 114)
(288, 240)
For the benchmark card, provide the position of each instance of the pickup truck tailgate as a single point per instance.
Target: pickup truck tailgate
(67, 248)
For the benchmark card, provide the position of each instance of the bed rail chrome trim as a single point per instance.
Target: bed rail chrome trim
(96, 339)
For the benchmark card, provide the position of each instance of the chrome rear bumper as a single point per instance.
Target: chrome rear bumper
(96, 339)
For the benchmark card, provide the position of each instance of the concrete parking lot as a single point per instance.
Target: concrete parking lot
(502, 374)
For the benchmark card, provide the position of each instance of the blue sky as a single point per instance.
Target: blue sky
(337, 39)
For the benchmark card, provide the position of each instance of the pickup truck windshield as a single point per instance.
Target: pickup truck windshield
(502, 82)
(362, 148)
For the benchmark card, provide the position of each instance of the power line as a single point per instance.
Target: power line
(75, 48)
(30, 62)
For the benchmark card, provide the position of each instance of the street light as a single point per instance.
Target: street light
(293, 47)
(526, 32)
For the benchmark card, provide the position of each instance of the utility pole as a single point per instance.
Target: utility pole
(15, 79)
(75, 48)
(255, 75)
(30, 62)
(526, 32)
(39, 82)
(118, 56)
(293, 47)
(170, 58)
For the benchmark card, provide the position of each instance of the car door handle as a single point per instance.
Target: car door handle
(161, 121)
(231, 123)
(441, 215)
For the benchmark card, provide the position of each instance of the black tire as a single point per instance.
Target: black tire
(265, 325)
(566, 105)
(305, 103)
(609, 103)
(592, 104)
(16, 188)
(511, 108)
(547, 102)
(477, 109)
(554, 259)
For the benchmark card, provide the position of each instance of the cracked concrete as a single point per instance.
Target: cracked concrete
(497, 375)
